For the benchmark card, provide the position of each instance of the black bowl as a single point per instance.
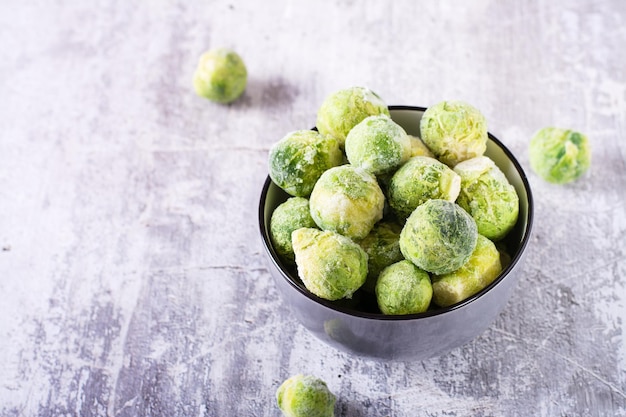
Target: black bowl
(356, 326)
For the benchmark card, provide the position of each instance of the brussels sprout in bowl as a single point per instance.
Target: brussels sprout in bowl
(357, 325)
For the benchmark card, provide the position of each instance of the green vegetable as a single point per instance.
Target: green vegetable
(422, 178)
(291, 215)
(330, 265)
(305, 396)
(476, 274)
(454, 131)
(347, 200)
(221, 75)
(488, 197)
(438, 237)
(344, 109)
(559, 155)
(298, 160)
(382, 246)
(418, 148)
(377, 144)
(403, 288)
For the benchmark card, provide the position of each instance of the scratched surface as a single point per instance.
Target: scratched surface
(132, 275)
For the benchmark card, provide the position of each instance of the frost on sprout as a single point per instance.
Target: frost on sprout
(558, 155)
(403, 288)
(454, 131)
(347, 200)
(330, 265)
(477, 273)
(378, 145)
(299, 159)
(220, 76)
(305, 396)
(344, 109)
(291, 215)
(438, 237)
(382, 246)
(488, 197)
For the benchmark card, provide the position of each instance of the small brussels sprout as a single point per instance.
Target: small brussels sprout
(299, 159)
(305, 396)
(559, 155)
(438, 237)
(221, 75)
(419, 148)
(344, 109)
(488, 197)
(377, 144)
(330, 265)
(291, 215)
(403, 288)
(454, 131)
(382, 246)
(347, 200)
(476, 274)
(420, 179)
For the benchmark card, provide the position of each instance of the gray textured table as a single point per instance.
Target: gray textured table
(132, 275)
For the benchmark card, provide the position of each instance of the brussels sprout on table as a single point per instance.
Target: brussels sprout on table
(558, 155)
(344, 109)
(305, 396)
(347, 200)
(454, 131)
(220, 76)
(377, 144)
(476, 274)
(403, 288)
(330, 265)
(438, 237)
(488, 197)
(298, 160)
(291, 215)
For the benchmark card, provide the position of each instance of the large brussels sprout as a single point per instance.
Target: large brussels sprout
(559, 155)
(221, 75)
(454, 131)
(403, 288)
(479, 271)
(347, 200)
(438, 237)
(488, 197)
(420, 179)
(344, 109)
(330, 265)
(305, 396)
(299, 159)
(291, 215)
(378, 145)
(382, 246)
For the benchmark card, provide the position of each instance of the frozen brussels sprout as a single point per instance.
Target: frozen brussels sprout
(344, 109)
(559, 155)
(330, 265)
(454, 131)
(291, 215)
(418, 148)
(382, 246)
(377, 144)
(305, 396)
(438, 237)
(420, 179)
(347, 200)
(221, 75)
(476, 274)
(403, 288)
(487, 196)
(299, 159)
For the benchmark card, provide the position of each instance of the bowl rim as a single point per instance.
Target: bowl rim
(405, 317)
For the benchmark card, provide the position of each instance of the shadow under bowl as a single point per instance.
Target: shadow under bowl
(356, 326)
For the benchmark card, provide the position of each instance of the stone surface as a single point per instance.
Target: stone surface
(132, 275)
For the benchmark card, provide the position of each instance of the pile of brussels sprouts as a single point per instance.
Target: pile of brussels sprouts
(412, 221)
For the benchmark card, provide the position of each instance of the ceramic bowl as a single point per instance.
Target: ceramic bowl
(357, 327)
